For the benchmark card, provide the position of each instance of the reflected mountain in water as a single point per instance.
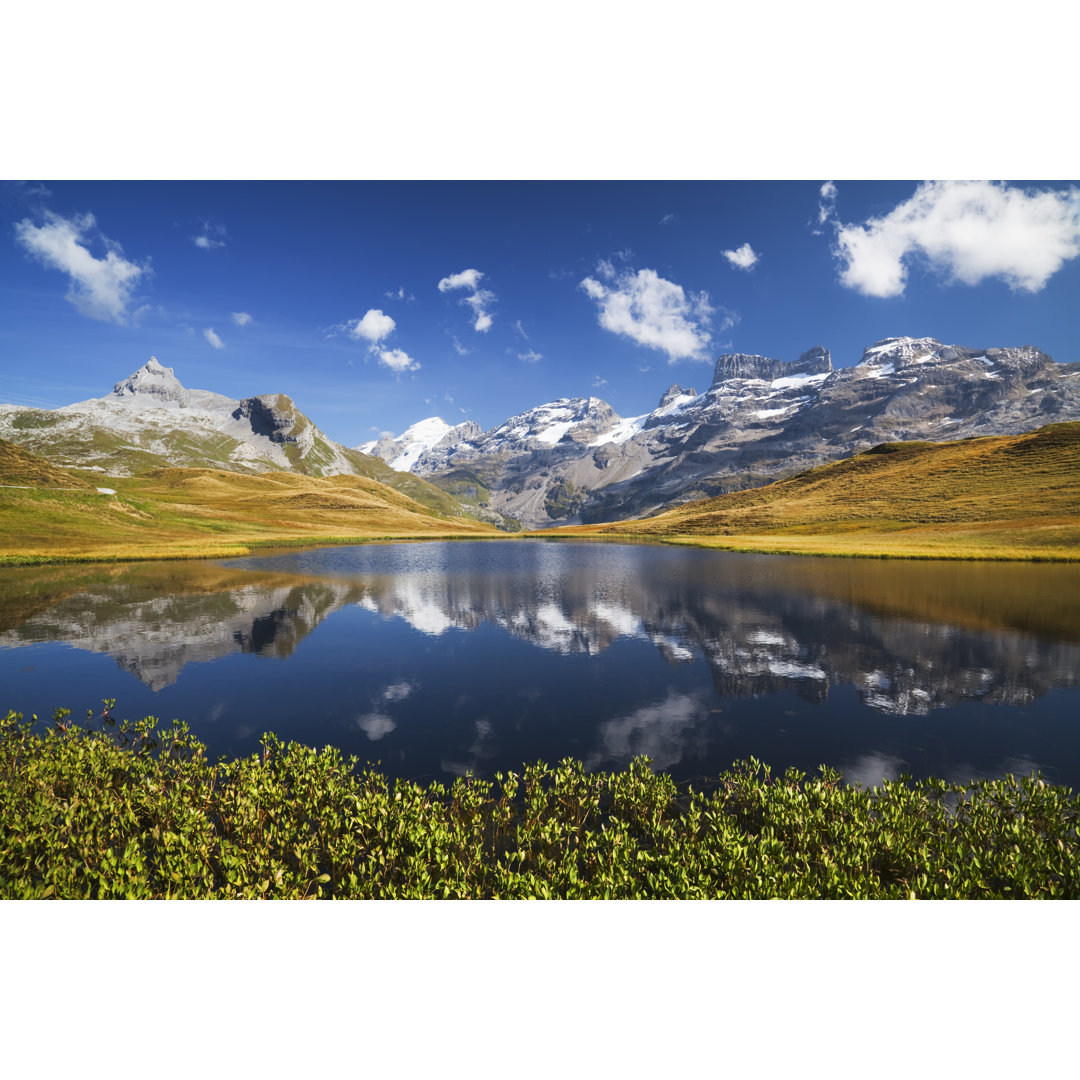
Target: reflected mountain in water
(910, 637)
(154, 623)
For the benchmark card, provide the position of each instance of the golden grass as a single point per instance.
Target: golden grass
(1009, 497)
(1006, 497)
(195, 513)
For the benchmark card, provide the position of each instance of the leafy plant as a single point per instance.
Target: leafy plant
(137, 810)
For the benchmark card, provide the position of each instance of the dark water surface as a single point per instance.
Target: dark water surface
(435, 658)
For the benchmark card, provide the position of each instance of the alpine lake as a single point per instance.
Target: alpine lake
(437, 659)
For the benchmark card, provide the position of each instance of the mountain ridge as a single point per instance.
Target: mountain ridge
(575, 460)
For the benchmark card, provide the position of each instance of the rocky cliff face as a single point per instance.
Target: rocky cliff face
(275, 417)
(761, 419)
(815, 361)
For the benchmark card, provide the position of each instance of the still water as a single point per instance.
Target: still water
(436, 659)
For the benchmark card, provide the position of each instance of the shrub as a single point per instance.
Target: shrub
(139, 811)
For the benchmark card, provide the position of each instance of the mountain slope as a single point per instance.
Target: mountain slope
(173, 513)
(1001, 496)
(761, 418)
(150, 420)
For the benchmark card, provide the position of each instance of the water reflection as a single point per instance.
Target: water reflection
(911, 637)
(424, 668)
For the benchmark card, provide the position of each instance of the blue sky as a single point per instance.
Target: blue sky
(376, 304)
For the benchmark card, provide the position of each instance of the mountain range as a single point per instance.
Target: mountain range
(576, 460)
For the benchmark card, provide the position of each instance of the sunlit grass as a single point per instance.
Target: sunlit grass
(196, 513)
(1008, 497)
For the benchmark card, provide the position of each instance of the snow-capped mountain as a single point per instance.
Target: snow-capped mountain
(761, 418)
(402, 453)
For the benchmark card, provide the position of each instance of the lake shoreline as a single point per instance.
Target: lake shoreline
(818, 547)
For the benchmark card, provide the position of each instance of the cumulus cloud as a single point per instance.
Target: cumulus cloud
(966, 230)
(651, 311)
(373, 327)
(241, 318)
(530, 357)
(100, 288)
(211, 237)
(399, 294)
(743, 258)
(478, 299)
(397, 360)
(213, 338)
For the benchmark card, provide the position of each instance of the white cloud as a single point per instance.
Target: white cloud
(211, 237)
(213, 338)
(241, 318)
(652, 311)
(100, 288)
(521, 330)
(373, 327)
(743, 257)
(968, 230)
(460, 349)
(479, 299)
(466, 279)
(599, 383)
(826, 201)
(667, 219)
(399, 294)
(530, 357)
(397, 360)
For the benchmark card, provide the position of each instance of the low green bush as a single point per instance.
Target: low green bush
(139, 811)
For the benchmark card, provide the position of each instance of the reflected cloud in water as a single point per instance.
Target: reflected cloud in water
(668, 732)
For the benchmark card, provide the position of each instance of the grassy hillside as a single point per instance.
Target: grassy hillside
(50, 435)
(997, 497)
(20, 468)
(165, 513)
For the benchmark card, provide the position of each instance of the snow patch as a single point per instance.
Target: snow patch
(623, 430)
(550, 436)
(789, 381)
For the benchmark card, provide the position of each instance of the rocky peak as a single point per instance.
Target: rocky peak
(815, 361)
(154, 381)
(902, 350)
(673, 393)
(273, 415)
(896, 352)
(463, 432)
